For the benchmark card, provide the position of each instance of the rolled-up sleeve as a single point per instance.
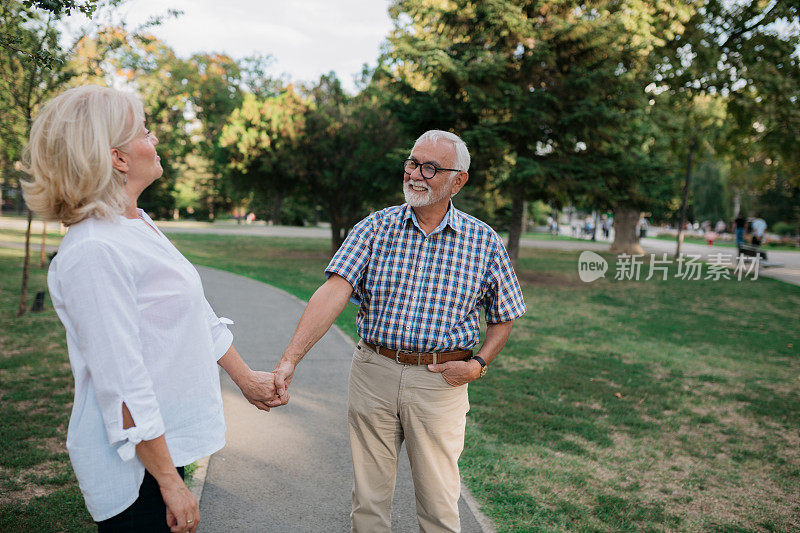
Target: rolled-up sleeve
(503, 300)
(352, 258)
(221, 336)
(100, 299)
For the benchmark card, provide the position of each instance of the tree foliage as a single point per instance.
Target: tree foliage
(263, 137)
(352, 148)
(32, 67)
(583, 101)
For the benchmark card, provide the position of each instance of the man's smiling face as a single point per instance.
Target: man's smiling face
(421, 192)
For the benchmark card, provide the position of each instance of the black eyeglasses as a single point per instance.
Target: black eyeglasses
(428, 170)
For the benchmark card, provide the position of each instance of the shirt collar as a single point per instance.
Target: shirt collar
(452, 218)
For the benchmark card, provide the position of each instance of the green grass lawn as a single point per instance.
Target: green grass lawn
(14, 235)
(38, 491)
(616, 406)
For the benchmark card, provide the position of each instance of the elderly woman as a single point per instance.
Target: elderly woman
(143, 342)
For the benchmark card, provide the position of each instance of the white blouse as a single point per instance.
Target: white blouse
(139, 331)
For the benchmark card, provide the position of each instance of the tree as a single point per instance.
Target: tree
(549, 95)
(744, 55)
(187, 102)
(352, 161)
(31, 69)
(263, 137)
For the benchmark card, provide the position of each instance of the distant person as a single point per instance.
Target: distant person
(607, 223)
(759, 226)
(721, 227)
(739, 226)
(643, 227)
(143, 342)
(588, 226)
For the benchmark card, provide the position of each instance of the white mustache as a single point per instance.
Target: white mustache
(408, 185)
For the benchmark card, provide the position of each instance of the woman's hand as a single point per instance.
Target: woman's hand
(183, 511)
(259, 388)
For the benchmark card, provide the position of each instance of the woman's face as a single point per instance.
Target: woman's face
(144, 164)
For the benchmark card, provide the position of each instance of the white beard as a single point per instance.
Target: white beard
(416, 198)
(422, 198)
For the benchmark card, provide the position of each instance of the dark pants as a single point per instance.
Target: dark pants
(147, 513)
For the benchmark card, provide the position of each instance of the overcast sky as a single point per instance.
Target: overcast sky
(306, 37)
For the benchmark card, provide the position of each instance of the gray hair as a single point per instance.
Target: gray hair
(462, 154)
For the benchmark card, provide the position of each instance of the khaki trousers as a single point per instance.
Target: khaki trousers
(390, 403)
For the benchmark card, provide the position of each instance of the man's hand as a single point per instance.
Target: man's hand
(259, 389)
(322, 309)
(458, 373)
(283, 378)
(183, 511)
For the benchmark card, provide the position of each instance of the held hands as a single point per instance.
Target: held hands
(283, 378)
(458, 373)
(259, 389)
(183, 511)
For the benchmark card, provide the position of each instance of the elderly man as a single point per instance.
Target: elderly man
(420, 273)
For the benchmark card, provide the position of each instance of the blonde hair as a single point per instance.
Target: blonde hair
(68, 156)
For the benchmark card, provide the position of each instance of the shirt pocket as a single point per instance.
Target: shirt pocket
(384, 275)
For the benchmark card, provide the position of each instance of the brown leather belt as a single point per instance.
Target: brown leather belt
(420, 358)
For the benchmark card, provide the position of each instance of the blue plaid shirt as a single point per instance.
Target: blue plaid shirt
(424, 293)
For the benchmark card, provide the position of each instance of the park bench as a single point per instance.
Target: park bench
(751, 250)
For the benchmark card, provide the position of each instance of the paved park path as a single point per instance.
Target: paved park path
(288, 470)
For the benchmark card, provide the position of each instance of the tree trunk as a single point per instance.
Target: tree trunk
(515, 227)
(337, 235)
(20, 200)
(594, 226)
(685, 199)
(525, 218)
(626, 241)
(25, 268)
(275, 214)
(43, 255)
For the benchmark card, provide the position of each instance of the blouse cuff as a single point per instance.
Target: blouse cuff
(134, 435)
(223, 338)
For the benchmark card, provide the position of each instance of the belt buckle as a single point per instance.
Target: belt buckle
(397, 355)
